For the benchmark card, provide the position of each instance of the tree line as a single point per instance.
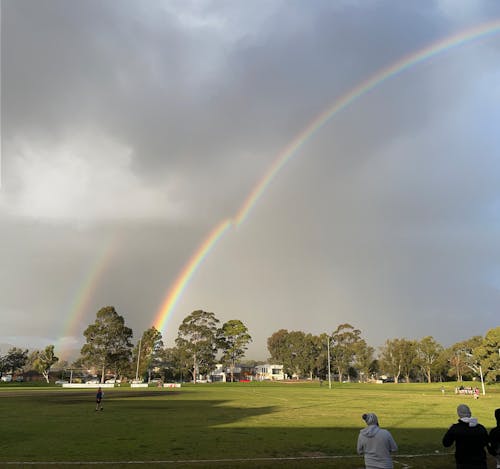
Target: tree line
(108, 350)
(306, 355)
(202, 342)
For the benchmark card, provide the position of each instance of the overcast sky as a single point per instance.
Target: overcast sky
(131, 129)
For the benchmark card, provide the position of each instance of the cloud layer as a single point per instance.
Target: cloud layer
(149, 123)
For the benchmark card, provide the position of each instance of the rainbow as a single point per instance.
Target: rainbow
(188, 271)
(352, 95)
(381, 76)
(85, 293)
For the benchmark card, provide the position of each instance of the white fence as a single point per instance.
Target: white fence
(111, 385)
(87, 385)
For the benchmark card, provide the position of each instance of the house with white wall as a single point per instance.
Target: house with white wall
(269, 372)
(218, 375)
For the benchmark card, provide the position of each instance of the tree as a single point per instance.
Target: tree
(44, 361)
(398, 357)
(278, 346)
(441, 365)
(320, 345)
(108, 341)
(344, 341)
(488, 354)
(297, 351)
(3, 364)
(459, 357)
(15, 359)
(150, 345)
(305, 350)
(390, 359)
(197, 339)
(428, 351)
(174, 364)
(363, 359)
(29, 365)
(234, 339)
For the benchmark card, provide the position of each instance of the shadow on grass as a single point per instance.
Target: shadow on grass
(156, 426)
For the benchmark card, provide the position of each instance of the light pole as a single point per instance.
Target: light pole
(329, 373)
(294, 354)
(138, 357)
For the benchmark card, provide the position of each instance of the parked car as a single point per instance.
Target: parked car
(61, 381)
(19, 379)
(6, 378)
(137, 381)
(92, 381)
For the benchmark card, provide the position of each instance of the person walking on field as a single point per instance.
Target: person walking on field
(470, 439)
(98, 399)
(494, 438)
(376, 444)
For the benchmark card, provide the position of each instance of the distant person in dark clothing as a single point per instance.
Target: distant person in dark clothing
(494, 438)
(470, 439)
(98, 399)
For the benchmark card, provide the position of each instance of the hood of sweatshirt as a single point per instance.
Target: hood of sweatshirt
(370, 431)
(472, 421)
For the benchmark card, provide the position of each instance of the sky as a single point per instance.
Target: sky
(131, 130)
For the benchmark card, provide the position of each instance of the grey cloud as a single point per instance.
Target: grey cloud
(133, 72)
(387, 211)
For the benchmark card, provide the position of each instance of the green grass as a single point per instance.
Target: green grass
(217, 422)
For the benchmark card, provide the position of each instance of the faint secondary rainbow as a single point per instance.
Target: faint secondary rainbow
(85, 293)
(407, 62)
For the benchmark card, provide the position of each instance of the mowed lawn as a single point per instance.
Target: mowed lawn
(231, 425)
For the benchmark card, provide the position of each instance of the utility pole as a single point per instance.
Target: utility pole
(138, 357)
(329, 373)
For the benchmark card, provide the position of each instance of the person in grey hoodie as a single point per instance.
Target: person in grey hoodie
(376, 444)
(470, 439)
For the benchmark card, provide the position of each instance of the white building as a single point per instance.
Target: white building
(218, 375)
(269, 372)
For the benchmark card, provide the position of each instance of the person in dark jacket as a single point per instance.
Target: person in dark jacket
(494, 438)
(470, 439)
(98, 399)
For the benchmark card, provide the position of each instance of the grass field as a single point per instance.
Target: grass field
(230, 425)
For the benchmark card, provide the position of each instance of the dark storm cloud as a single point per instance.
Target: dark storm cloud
(171, 92)
(152, 121)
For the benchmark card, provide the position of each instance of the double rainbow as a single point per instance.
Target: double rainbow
(402, 65)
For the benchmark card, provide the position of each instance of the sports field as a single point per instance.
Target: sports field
(229, 425)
